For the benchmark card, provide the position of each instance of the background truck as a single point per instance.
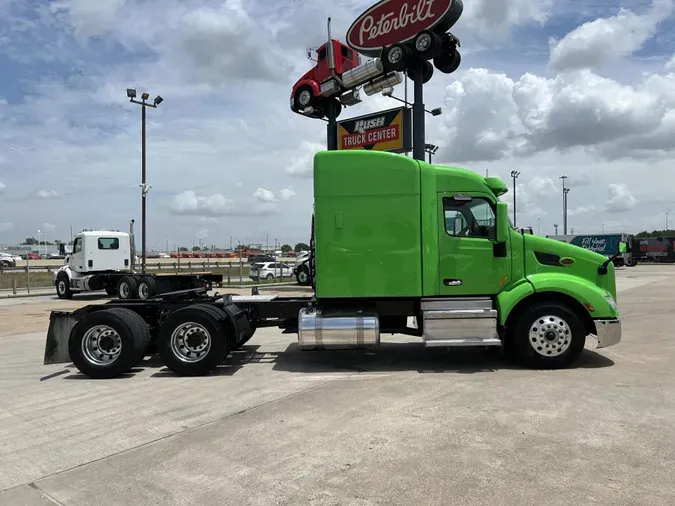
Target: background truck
(604, 244)
(104, 260)
(392, 238)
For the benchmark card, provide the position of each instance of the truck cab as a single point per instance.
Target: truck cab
(100, 251)
(436, 243)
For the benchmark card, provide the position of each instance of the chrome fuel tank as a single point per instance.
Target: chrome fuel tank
(319, 329)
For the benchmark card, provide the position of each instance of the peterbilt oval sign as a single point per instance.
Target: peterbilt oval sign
(391, 21)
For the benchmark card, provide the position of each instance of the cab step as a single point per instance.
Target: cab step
(466, 321)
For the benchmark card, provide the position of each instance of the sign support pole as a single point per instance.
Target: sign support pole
(418, 114)
(331, 128)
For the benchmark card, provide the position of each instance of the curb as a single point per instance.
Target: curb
(21, 295)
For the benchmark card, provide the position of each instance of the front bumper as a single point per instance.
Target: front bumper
(608, 332)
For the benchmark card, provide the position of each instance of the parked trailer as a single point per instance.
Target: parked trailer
(605, 244)
(392, 238)
(654, 249)
(104, 260)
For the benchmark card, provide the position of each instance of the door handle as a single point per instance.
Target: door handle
(452, 282)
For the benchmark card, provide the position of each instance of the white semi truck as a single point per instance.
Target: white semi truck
(104, 260)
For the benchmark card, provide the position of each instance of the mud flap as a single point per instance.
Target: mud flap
(56, 347)
(239, 319)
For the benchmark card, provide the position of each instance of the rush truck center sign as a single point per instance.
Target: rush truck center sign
(391, 21)
(383, 131)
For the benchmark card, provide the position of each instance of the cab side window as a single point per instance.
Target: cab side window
(77, 246)
(469, 217)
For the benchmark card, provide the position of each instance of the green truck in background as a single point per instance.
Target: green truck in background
(399, 246)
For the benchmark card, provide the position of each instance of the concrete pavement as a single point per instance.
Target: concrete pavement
(400, 425)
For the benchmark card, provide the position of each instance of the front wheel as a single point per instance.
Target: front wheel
(63, 290)
(547, 336)
(302, 276)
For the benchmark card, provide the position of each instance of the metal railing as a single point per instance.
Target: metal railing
(27, 277)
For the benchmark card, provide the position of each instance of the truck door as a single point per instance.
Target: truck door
(76, 259)
(469, 262)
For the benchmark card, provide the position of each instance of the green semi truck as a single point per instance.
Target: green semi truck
(399, 246)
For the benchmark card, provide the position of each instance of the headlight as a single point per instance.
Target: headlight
(612, 304)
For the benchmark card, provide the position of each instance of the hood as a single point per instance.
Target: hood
(543, 255)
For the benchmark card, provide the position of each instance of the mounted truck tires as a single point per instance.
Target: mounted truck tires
(108, 343)
(547, 336)
(193, 340)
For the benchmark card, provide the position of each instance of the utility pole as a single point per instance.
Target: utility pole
(145, 188)
(514, 175)
(565, 192)
(538, 227)
(666, 221)
(564, 210)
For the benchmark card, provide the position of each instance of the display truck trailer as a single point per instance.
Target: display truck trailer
(605, 244)
(392, 238)
(105, 260)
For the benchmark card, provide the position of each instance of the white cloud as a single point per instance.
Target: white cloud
(670, 64)
(620, 199)
(203, 233)
(490, 116)
(189, 203)
(578, 211)
(593, 43)
(287, 193)
(48, 226)
(3, 187)
(301, 165)
(264, 195)
(46, 194)
(6, 226)
(91, 18)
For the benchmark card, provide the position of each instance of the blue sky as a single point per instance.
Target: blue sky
(580, 88)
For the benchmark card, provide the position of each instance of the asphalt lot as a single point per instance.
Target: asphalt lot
(402, 425)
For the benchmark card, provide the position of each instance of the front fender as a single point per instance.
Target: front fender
(509, 299)
(592, 297)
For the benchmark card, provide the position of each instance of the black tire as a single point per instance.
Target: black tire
(111, 290)
(302, 275)
(146, 288)
(127, 288)
(269, 276)
(300, 97)
(63, 290)
(396, 57)
(448, 62)
(532, 337)
(207, 353)
(427, 45)
(6, 263)
(427, 72)
(134, 339)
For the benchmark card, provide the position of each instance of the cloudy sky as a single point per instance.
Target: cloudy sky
(582, 88)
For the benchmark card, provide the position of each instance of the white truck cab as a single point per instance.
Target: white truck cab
(100, 251)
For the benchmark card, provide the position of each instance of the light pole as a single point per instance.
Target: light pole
(555, 226)
(564, 211)
(538, 227)
(514, 175)
(431, 149)
(145, 188)
(666, 222)
(565, 192)
(40, 243)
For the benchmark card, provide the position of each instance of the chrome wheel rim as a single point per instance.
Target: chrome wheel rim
(304, 97)
(395, 55)
(423, 42)
(143, 291)
(550, 336)
(62, 287)
(302, 277)
(101, 345)
(124, 290)
(190, 342)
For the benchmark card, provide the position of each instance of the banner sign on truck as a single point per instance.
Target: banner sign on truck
(383, 131)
